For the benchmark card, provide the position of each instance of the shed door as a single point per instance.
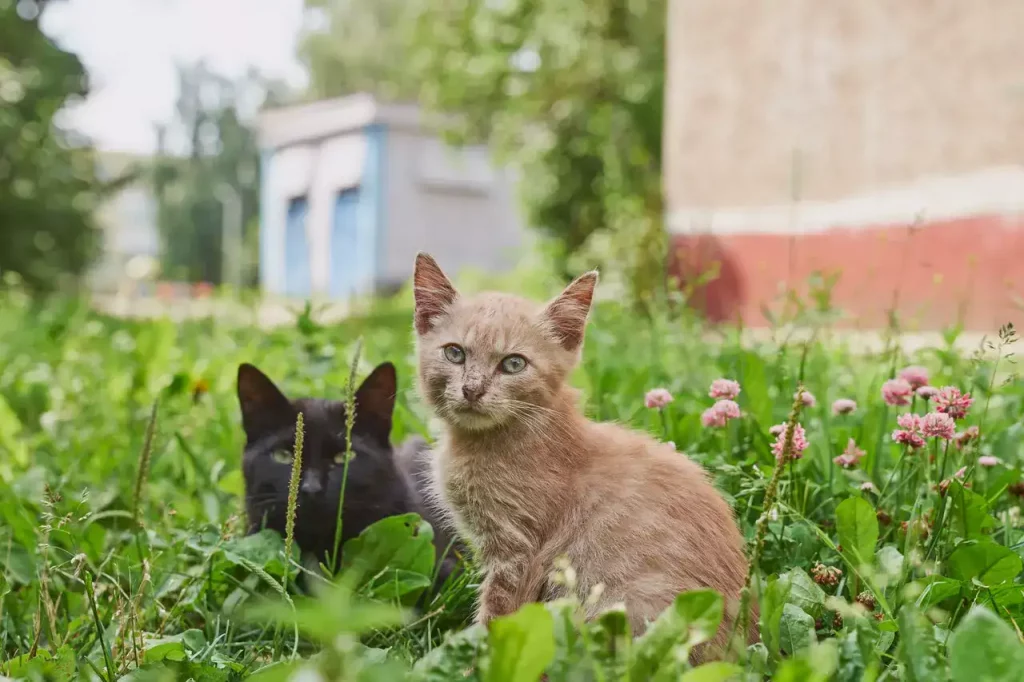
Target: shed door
(347, 251)
(296, 249)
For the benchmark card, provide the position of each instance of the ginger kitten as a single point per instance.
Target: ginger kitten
(528, 478)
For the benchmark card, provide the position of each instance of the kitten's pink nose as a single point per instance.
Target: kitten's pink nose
(472, 392)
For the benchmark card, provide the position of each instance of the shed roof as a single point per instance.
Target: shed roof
(309, 121)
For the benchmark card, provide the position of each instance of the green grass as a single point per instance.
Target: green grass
(122, 553)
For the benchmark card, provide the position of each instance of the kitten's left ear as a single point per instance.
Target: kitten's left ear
(567, 314)
(375, 400)
(432, 292)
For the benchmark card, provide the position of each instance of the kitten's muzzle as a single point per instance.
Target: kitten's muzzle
(473, 392)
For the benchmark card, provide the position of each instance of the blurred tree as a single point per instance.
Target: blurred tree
(359, 46)
(48, 182)
(570, 93)
(221, 151)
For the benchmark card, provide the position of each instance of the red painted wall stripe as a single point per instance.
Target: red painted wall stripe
(967, 269)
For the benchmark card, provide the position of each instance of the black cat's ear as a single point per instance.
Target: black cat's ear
(375, 400)
(261, 401)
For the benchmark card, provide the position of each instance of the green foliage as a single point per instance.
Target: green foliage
(796, 629)
(804, 593)
(109, 574)
(48, 183)
(920, 653)
(359, 46)
(220, 165)
(985, 649)
(571, 95)
(521, 645)
(395, 557)
(453, 659)
(775, 598)
(858, 528)
(985, 561)
(662, 653)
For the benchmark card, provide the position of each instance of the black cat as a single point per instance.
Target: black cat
(379, 484)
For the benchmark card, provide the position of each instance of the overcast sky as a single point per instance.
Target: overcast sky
(130, 48)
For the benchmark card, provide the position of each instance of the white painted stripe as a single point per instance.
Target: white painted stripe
(995, 191)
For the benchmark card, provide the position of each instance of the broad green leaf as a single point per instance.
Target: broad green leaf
(936, 589)
(796, 670)
(41, 666)
(333, 612)
(776, 592)
(692, 619)
(1011, 594)
(755, 387)
(171, 648)
(713, 672)
(984, 561)
(816, 663)
(985, 649)
(757, 658)
(918, 649)
(804, 592)
(702, 610)
(969, 512)
(160, 671)
(18, 564)
(11, 444)
(857, 527)
(570, 645)
(284, 671)
(399, 584)
(610, 641)
(857, 658)
(397, 543)
(457, 658)
(890, 561)
(522, 645)
(264, 549)
(232, 483)
(796, 630)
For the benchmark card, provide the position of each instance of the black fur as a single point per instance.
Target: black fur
(376, 487)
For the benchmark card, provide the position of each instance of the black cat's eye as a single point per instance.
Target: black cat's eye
(513, 364)
(454, 354)
(282, 456)
(340, 457)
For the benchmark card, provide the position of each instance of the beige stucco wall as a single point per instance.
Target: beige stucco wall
(823, 99)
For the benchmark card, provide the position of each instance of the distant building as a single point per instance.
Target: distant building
(881, 139)
(130, 242)
(352, 188)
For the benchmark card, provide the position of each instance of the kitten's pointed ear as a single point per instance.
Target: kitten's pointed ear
(261, 401)
(567, 314)
(375, 400)
(432, 292)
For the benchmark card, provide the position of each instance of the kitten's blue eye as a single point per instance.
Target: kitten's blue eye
(454, 354)
(282, 456)
(513, 364)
